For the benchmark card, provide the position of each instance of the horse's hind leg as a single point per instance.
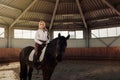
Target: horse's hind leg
(30, 73)
(23, 71)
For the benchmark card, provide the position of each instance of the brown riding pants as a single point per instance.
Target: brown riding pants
(38, 49)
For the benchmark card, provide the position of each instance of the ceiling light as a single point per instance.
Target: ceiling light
(6, 6)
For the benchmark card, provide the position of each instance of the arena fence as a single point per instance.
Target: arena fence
(113, 53)
(93, 53)
(9, 54)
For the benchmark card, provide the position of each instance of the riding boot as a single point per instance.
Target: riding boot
(35, 59)
(37, 54)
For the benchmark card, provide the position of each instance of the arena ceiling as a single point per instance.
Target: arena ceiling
(60, 14)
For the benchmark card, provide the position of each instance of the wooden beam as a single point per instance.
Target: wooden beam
(38, 13)
(3, 25)
(114, 40)
(10, 7)
(27, 20)
(25, 27)
(104, 23)
(100, 40)
(32, 3)
(6, 16)
(109, 5)
(9, 30)
(81, 13)
(4, 20)
(103, 19)
(53, 16)
(85, 24)
(67, 20)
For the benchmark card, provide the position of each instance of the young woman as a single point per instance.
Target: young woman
(41, 39)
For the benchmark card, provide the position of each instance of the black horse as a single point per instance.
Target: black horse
(53, 55)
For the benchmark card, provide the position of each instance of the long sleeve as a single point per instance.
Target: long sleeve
(41, 36)
(37, 38)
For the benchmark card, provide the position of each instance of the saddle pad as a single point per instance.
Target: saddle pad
(31, 55)
(43, 53)
(41, 56)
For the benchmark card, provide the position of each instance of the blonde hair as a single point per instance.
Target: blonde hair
(43, 22)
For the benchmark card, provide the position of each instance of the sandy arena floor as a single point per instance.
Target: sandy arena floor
(69, 70)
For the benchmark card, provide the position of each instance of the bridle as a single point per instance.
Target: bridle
(57, 47)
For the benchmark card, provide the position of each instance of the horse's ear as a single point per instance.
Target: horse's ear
(68, 36)
(59, 35)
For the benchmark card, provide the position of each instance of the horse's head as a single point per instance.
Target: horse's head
(56, 47)
(61, 46)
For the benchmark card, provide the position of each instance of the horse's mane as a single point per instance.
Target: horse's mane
(51, 45)
(52, 42)
(52, 48)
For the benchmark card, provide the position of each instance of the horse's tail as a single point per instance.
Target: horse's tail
(23, 66)
(23, 71)
(21, 55)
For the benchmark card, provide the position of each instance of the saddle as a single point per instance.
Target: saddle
(41, 57)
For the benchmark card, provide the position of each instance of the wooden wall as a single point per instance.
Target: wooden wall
(11, 54)
(93, 53)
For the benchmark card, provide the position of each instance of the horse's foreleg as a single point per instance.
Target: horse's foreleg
(47, 73)
(30, 73)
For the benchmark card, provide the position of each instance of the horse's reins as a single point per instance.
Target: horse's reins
(57, 46)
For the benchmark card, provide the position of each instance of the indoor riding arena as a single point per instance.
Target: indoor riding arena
(93, 48)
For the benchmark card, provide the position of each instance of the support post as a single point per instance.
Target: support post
(87, 35)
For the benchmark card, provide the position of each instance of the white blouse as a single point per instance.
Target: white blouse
(41, 35)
